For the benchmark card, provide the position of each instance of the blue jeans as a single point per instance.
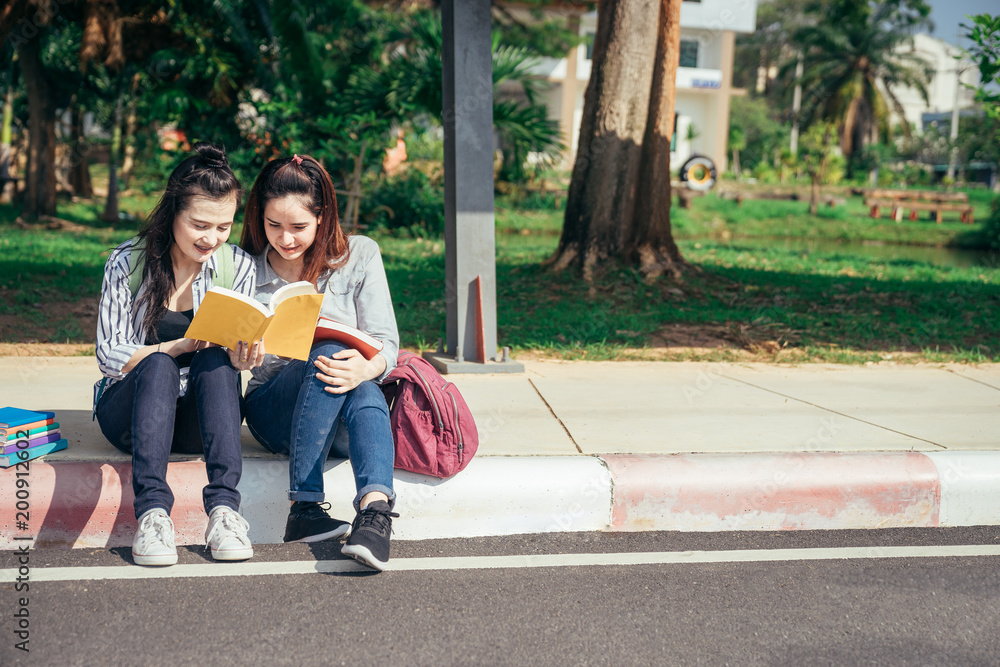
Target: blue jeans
(292, 414)
(142, 415)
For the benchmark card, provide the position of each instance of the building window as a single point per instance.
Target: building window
(590, 45)
(689, 53)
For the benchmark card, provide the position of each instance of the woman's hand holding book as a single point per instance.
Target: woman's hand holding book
(246, 356)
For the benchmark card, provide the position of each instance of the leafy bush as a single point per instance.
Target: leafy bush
(990, 233)
(753, 121)
(425, 144)
(915, 174)
(836, 169)
(408, 201)
(764, 173)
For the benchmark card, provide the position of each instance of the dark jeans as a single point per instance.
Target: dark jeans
(292, 414)
(142, 415)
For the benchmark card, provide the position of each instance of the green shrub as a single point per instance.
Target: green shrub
(886, 178)
(764, 173)
(915, 174)
(990, 233)
(407, 200)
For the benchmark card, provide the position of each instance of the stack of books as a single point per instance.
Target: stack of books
(25, 435)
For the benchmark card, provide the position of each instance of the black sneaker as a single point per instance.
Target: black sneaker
(369, 540)
(309, 522)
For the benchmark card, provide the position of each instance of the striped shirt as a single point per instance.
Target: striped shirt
(119, 322)
(356, 294)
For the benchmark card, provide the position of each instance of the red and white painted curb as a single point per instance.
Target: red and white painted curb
(89, 504)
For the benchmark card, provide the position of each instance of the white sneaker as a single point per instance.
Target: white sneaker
(154, 542)
(227, 535)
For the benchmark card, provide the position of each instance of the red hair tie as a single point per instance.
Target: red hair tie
(297, 159)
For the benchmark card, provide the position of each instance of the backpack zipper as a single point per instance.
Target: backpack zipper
(458, 426)
(430, 395)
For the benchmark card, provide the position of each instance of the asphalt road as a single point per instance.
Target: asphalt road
(858, 610)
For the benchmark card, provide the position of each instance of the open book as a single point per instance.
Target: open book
(328, 329)
(226, 317)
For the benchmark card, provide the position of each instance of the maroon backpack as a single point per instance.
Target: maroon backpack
(432, 425)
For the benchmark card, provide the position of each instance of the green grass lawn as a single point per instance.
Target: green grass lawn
(748, 296)
(712, 216)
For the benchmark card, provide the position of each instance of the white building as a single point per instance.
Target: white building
(945, 89)
(704, 78)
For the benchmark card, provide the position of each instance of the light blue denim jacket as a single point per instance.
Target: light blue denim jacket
(356, 294)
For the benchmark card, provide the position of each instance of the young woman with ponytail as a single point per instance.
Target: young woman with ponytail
(162, 392)
(331, 402)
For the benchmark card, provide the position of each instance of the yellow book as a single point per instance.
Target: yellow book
(226, 317)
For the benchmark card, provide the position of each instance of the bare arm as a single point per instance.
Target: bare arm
(174, 348)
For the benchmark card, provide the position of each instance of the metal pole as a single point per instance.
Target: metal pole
(470, 229)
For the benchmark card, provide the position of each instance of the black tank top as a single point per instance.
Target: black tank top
(173, 326)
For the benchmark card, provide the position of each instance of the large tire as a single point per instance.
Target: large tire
(698, 173)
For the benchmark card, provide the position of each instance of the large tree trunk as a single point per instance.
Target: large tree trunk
(79, 166)
(602, 192)
(851, 119)
(652, 242)
(10, 14)
(111, 206)
(128, 138)
(40, 196)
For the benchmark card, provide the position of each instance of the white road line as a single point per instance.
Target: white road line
(257, 568)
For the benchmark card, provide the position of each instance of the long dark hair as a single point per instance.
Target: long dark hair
(305, 178)
(206, 174)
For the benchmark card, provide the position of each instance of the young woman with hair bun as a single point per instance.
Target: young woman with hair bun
(162, 392)
(331, 402)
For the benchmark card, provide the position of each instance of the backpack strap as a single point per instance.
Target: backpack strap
(226, 263)
(97, 396)
(136, 265)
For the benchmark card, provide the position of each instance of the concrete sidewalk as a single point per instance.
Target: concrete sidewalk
(595, 446)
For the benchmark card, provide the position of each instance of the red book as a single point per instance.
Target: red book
(327, 329)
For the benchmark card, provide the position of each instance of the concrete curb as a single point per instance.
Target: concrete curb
(89, 504)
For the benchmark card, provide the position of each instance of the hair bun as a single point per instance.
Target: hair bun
(212, 155)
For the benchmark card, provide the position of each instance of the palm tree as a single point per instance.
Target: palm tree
(854, 62)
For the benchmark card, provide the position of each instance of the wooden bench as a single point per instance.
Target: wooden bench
(919, 200)
(928, 195)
